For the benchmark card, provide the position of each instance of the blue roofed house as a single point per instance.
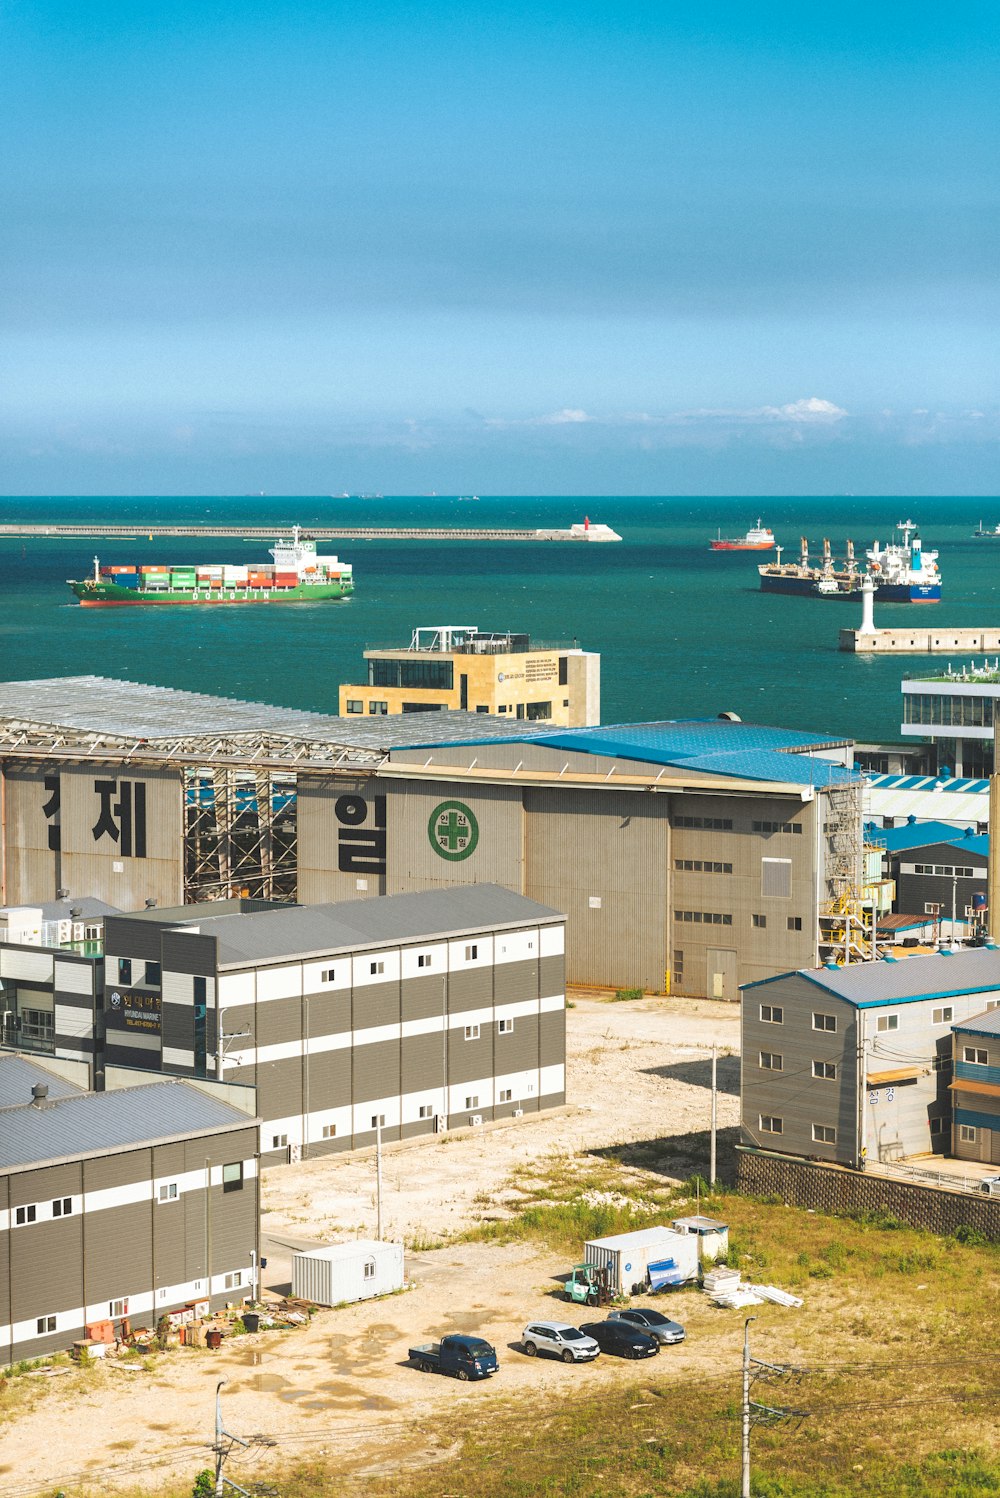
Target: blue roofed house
(940, 872)
(855, 1064)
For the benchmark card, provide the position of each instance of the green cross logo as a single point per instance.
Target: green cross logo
(453, 831)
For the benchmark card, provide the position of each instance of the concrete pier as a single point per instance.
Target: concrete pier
(592, 531)
(917, 641)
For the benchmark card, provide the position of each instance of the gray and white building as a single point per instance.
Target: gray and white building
(976, 1087)
(52, 979)
(849, 1064)
(413, 1013)
(117, 1206)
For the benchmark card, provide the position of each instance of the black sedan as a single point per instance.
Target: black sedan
(653, 1323)
(622, 1340)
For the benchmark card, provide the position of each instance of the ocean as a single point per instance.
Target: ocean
(682, 631)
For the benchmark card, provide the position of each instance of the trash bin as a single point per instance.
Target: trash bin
(251, 1320)
(213, 1339)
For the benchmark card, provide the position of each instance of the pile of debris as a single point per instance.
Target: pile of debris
(725, 1288)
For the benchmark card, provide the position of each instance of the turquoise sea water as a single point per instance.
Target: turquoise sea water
(682, 631)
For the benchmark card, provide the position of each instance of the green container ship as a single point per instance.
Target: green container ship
(296, 574)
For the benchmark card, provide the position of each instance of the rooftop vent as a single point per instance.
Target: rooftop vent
(62, 894)
(39, 1093)
(730, 717)
(76, 911)
(150, 904)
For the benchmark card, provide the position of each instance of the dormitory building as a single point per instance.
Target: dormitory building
(118, 1206)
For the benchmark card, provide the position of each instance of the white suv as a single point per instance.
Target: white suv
(566, 1342)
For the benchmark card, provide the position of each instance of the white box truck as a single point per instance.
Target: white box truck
(346, 1272)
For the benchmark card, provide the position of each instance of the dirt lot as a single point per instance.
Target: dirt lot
(638, 1075)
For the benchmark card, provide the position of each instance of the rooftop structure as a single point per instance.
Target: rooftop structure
(451, 667)
(870, 985)
(955, 711)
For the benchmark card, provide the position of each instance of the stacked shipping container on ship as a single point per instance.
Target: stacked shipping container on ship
(297, 575)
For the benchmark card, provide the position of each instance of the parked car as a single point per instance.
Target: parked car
(463, 1357)
(621, 1339)
(653, 1323)
(566, 1342)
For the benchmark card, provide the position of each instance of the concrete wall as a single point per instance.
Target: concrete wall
(832, 1189)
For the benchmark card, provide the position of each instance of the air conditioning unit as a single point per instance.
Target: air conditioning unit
(294, 1154)
(518, 1113)
(440, 1123)
(475, 1118)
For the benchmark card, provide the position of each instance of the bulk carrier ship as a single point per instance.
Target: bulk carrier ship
(295, 575)
(902, 572)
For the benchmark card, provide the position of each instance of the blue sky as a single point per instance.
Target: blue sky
(518, 248)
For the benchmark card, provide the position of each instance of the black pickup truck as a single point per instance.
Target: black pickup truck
(463, 1357)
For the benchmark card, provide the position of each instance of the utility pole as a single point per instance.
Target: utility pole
(223, 1448)
(715, 1112)
(378, 1176)
(745, 1471)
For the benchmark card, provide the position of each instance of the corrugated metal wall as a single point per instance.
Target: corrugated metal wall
(609, 847)
(415, 861)
(102, 854)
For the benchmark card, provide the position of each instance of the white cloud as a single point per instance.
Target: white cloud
(809, 409)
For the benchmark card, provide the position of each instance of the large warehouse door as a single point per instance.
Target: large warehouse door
(722, 974)
(601, 856)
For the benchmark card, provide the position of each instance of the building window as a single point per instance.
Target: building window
(118, 1307)
(759, 921)
(355, 705)
(943, 870)
(794, 923)
(776, 878)
(974, 1056)
(708, 824)
(770, 1061)
(376, 968)
(823, 1134)
(24, 1215)
(966, 1133)
(770, 1125)
(62, 1206)
(168, 1192)
(472, 952)
(935, 1125)
(678, 967)
(992, 1004)
(826, 1071)
(506, 1094)
(772, 1014)
(369, 1269)
(424, 959)
(199, 990)
(505, 1026)
(327, 975)
(154, 974)
(45, 1324)
(232, 1176)
(426, 1111)
(473, 1101)
(124, 970)
(824, 1022)
(279, 1141)
(887, 1022)
(942, 1016)
(329, 1131)
(378, 709)
(703, 917)
(472, 1032)
(701, 866)
(233, 1281)
(767, 827)
(378, 1120)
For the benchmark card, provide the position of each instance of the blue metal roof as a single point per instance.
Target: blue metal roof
(750, 751)
(870, 985)
(917, 835)
(929, 783)
(978, 843)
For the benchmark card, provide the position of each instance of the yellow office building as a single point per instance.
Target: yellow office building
(461, 666)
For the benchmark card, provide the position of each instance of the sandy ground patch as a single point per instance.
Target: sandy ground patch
(638, 1074)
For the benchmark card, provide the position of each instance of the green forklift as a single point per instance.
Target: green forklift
(588, 1285)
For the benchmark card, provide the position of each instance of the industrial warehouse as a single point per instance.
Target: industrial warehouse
(688, 857)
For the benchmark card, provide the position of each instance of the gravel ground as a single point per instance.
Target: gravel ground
(638, 1075)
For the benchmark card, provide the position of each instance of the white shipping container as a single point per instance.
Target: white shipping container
(712, 1236)
(629, 1255)
(347, 1272)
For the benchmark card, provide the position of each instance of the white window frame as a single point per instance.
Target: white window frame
(26, 1215)
(820, 1131)
(168, 1191)
(886, 1023)
(62, 1206)
(824, 1028)
(279, 1141)
(767, 1121)
(505, 1027)
(425, 959)
(45, 1326)
(943, 1016)
(118, 1308)
(233, 1281)
(768, 1012)
(426, 1110)
(472, 1032)
(821, 1074)
(967, 1133)
(974, 1055)
(472, 1102)
(472, 952)
(506, 1095)
(378, 1120)
(329, 1131)
(768, 1064)
(328, 975)
(376, 969)
(370, 1272)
